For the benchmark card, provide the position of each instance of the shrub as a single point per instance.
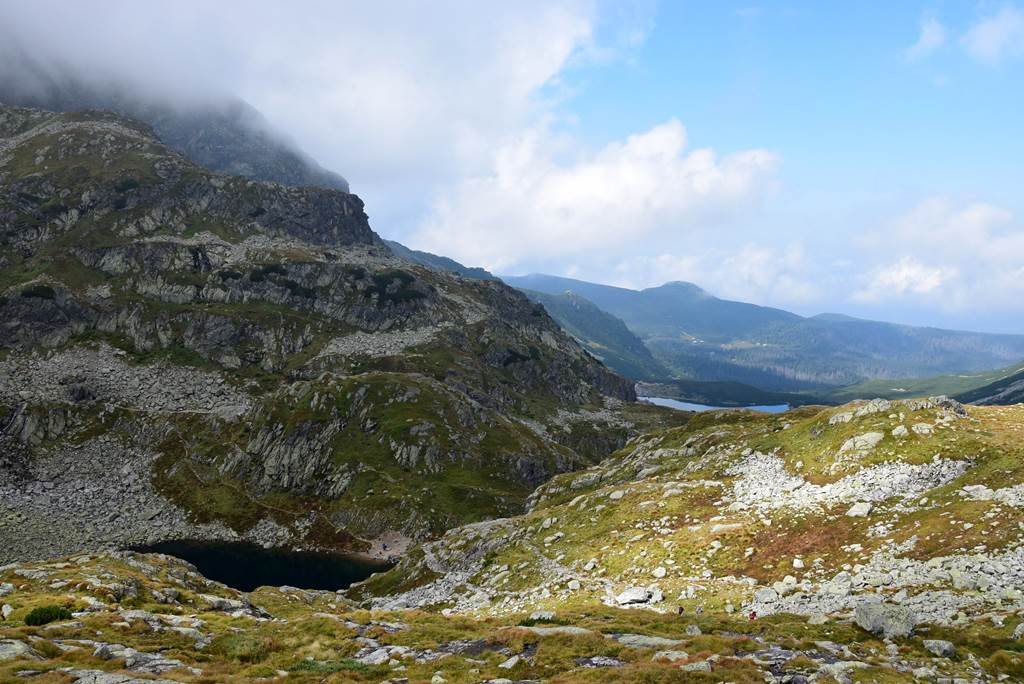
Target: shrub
(229, 275)
(44, 615)
(260, 274)
(126, 184)
(298, 290)
(39, 292)
(404, 292)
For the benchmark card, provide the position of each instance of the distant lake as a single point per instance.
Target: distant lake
(687, 406)
(245, 566)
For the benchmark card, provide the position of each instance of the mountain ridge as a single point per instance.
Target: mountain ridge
(700, 337)
(254, 363)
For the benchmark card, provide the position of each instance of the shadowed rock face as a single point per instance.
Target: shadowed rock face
(187, 354)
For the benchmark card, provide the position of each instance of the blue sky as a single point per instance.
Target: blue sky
(865, 126)
(827, 85)
(862, 158)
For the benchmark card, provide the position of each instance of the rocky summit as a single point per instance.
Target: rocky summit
(185, 354)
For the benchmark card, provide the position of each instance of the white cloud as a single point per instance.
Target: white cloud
(905, 276)
(956, 256)
(931, 38)
(400, 97)
(533, 205)
(996, 37)
(754, 272)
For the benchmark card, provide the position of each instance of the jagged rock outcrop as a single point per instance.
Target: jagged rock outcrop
(272, 371)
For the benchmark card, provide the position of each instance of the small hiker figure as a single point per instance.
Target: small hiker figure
(681, 610)
(753, 615)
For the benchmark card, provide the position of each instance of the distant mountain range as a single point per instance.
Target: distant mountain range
(604, 335)
(700, 337)
(683, 342)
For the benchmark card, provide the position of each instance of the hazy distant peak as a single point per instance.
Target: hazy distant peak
(685, 287)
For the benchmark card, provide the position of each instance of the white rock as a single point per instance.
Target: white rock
(865, 442)
(616, 495)
(510, 663)
(798, 563)
(940, 647)
(860, 509)
(670, 656)
(659, 572)
(632, 595)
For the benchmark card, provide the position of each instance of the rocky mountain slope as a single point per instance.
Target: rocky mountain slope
(876, 542)
(701, 337)
(904, 518)
(602, 334)
(187, 354)
(1006, 390)
(439, 263)
(223, 133)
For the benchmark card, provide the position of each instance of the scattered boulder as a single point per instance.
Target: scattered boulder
(884, 620)
(599, 661)
(635, 595)
(670, 656)
(644, 641)
(940, 647)
(860, 509)
(862, 443)
(510, 663)
(12, 649)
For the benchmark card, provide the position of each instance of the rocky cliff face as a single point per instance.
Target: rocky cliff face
(187, 353)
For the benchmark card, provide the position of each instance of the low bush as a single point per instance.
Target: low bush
(44, 615)
(39, 292)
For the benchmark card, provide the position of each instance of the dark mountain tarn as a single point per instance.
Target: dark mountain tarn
(245, 566)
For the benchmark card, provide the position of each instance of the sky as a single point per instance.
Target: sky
(862, 158)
